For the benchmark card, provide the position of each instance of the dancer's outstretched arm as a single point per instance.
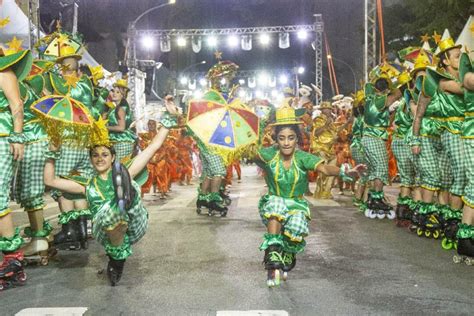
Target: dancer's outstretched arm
(63, 185)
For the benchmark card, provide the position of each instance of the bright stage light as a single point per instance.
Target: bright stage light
(259, 94)
(197, 94)
(148, 42)
(233, 41)
(263, 79)
(264, 39)
(283, 79)
(242, 93)
(241, 81)
(203, 82)
(300, 70)
(183, 80)
(181, 41)
(302, 34)
(274, 93)
(212, 41)
(223, 81)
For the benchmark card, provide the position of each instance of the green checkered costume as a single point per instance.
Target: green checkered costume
(123, 150)
(376, 156)
(30, 184)
(212, 164)
(106, 215)
(73, 159)
(405, 162)
(454, 148)
(435, 169)
(6, 175)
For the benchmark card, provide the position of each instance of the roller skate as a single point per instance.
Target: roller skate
(11, 271)
(215, 206)
(450, 229)
(69, 237)
(115, 270)
(273, 264)
(429, 226)
(403, 215)
(36, 251)
(289, 262)
(377, 208)
(225, 197)
(200, 204)
(465, 252)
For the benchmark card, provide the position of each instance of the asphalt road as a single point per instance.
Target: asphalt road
(191, 264)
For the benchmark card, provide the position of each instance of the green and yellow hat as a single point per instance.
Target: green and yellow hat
(403, 78)
(447, 44)
(286, 115)
(423, 60)
(67, 51)
(121, 83)
(20, 62)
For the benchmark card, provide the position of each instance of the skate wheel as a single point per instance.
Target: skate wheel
(198, 210)
(419, 232)
(223, 214)
(469, 261)
(455, 245)
(427, 234)
(285, 276)
(381, 215)
(391, 215)
(446, 244)
(367, 213)
(227, 201)
(436, 234)
(270, 283)
(44, 261)
(372, 214)
(21, 278)
(457, 259)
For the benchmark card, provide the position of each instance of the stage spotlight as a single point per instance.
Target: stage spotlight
(264, 39)
(263, 79)
(233, 41)
(302, 34)
(181, 41)
(300, 70)
(212, 41)
(242, 94)
(203, 82)
(223, 81)
(148, 42)
(197, 94)
(283, 79)
(183, 80)
(241, 81)
(259, 94)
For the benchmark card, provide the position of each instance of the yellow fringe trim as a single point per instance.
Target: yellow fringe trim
(292, 237)
(467, 203)
(109, 228)
(429, 188)
(279, 217)
(5, 212)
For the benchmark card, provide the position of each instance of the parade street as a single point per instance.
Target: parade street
(190, 264)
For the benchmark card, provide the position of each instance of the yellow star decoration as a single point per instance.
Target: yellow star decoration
(4, 22)
(14, 46)
(218, 55)
(97, 73)
(425, 38)
(71, 80)
(436, 37)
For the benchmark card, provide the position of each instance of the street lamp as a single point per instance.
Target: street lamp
(352, 70)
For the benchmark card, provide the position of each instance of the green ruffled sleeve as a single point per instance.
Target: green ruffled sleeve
(307, 160)
(266, 154)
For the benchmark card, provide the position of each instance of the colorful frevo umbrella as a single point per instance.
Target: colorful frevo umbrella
(226, 129)
(64, 118)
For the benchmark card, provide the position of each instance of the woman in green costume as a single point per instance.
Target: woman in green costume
(120, 119)
(115, 227)
(283, 209)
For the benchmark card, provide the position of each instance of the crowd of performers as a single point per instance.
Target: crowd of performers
(420, 111)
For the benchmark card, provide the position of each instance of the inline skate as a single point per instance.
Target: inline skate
(273, 261)
(465, 252)
(11, 271)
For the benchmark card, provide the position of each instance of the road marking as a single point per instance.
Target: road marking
(253, 313)
(52, 311)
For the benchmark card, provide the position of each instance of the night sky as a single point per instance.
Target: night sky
(104, 25)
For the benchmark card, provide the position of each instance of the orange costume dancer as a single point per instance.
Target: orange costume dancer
(144, 140)
(184, 145)
(173, 158)
(230, 172)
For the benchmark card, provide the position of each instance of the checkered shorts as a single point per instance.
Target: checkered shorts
(6, 175)
(30, 184)
(123, 150)
(109, 217)
(377, 158)
(435, 171)
(454, 148)
(212, 165)
(293, 214)
(468, 196)
(357, 152)
(406, 168)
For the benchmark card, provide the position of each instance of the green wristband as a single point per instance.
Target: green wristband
(17, 138)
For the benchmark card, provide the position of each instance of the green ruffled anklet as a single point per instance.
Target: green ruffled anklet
(271, 239)
(66, 217)
(465, 231)
(47, 228)
(10, 244)
(120, 252)
(378, 195)
(292, 246)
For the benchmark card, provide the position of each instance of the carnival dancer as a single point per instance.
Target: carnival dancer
(29, 185)
(283, 209)
(465, 233)
(443, 86)
(357, 150)
(184, 145)
(407, 168)
(14, 66)
(116, 226)
(144, 140)
(120, 118)
(379, 95)
(433, 162)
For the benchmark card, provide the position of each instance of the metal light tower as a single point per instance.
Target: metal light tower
(370, 42)
(318, 55)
